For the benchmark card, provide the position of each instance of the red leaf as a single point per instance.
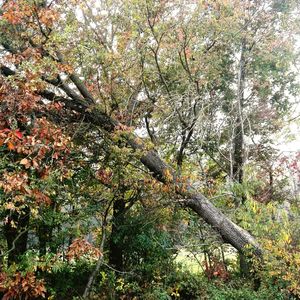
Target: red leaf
(5, 130)
(18, 134)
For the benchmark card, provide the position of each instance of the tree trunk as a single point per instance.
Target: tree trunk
(115, 244)
(238, 143)
(271, 184)
(44, 233)
(239, 147)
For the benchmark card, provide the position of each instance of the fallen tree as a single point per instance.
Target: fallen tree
(76, 97)
(83, 103)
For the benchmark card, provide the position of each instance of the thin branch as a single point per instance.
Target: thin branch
(98, 265)
(14, 242)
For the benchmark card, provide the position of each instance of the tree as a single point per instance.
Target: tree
(96, 73)
(42, 43)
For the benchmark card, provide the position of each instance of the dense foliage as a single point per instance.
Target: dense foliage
(93, 94)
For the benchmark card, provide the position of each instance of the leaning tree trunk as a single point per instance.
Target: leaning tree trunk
(230, 232)
(85, 106)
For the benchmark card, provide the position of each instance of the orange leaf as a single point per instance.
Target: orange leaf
(55, 155)
(35, 164)
(10, 146)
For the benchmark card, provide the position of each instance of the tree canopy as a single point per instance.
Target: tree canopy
(132, 131)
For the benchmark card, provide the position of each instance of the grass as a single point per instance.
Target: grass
(194, 262)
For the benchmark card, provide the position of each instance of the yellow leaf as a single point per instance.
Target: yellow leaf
(10, 206)
(286, 237)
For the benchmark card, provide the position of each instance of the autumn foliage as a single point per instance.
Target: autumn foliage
(21, 286)
(117, 118)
